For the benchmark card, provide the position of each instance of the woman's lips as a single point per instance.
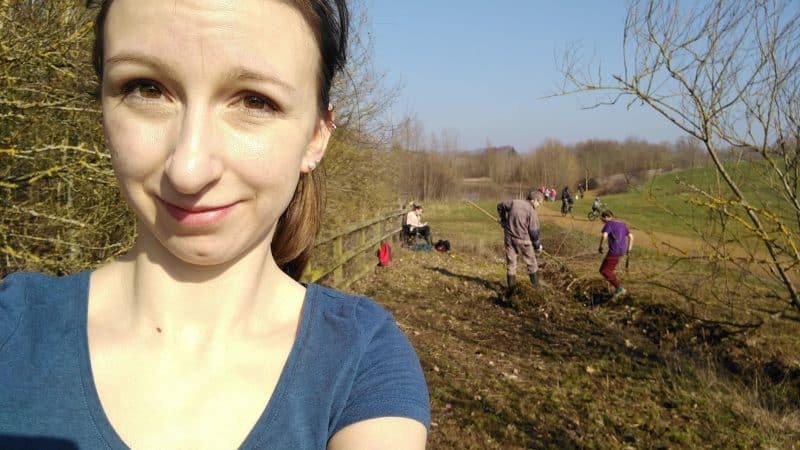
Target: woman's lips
(198, 216)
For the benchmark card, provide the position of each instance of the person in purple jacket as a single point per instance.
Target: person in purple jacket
(620, 241)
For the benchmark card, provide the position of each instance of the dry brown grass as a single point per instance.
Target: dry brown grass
(562, 368)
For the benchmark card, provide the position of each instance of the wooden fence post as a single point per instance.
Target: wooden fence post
(338, 253)
(359, 256)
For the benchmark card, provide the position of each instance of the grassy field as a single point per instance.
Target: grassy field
(641, 209)
(465, 223)
(691, 358)
(665, 203)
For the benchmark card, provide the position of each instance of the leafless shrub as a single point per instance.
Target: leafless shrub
(59, 207)
(728, 75)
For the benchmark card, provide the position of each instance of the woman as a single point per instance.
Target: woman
(216, 114)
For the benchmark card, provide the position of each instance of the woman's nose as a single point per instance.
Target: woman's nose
(195, 159)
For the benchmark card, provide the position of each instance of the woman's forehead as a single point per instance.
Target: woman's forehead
(258, 37)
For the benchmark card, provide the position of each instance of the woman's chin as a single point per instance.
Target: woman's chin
(203, 252)
(208, 260)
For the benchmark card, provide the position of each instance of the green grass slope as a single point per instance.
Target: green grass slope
(667, 366)
(668, 203)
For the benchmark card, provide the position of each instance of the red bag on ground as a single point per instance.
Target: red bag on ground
(385, 254)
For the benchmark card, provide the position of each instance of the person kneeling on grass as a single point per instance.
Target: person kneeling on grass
(620, 241)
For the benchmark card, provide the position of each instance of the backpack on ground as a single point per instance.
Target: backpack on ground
(442, 245)
(385, 254)
(421, 247)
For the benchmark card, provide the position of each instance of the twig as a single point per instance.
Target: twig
(482, 210)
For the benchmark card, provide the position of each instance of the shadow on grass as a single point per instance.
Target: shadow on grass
(491, 285)
(498, 289)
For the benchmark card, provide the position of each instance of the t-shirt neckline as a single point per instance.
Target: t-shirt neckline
(254, 436)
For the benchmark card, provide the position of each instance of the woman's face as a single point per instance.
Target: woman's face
(210, 111)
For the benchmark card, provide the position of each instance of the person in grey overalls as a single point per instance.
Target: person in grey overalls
(521, 229)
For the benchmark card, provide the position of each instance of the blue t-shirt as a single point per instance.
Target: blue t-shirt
(349, 362)
(617, 237)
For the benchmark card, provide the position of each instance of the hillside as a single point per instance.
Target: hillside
(563, 368)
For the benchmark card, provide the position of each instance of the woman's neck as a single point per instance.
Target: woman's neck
(159, 291)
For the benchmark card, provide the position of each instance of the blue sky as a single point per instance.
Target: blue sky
(480, 69)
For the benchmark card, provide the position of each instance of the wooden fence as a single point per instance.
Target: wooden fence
(343, 258)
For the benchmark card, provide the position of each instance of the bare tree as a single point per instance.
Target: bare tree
(727, 73)
(59, 206)
(361, 169)
(552, 164)
(429, 169)
(362, 94)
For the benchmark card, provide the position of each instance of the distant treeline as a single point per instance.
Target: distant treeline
(439, 174)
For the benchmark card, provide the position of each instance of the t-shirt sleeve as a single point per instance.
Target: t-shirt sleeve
(12, 305)
(389, 381)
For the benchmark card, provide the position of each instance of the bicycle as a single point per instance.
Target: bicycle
(566, 208)
(595, 213)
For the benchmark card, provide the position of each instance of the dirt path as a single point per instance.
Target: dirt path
(662, 242)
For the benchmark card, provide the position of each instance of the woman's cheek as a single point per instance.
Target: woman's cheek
(266, 158)
(137, 148)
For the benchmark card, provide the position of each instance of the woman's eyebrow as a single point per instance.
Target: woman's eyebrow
(141, 59)
(244, 74)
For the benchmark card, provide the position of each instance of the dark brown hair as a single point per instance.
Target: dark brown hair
(535, 195)
(298, 226)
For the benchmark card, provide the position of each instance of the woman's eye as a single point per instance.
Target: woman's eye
(149, 91)
(258, 103)
(144, 89)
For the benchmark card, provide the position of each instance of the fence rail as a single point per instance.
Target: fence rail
(348, 255)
